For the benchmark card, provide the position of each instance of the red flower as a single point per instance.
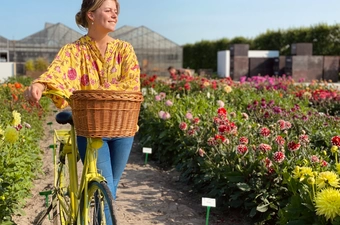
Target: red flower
(264, 131)
(268, 162)
(18, 127)
(288, 125)
(324, 163)
(183, 126)
(221, 138)
(304, 139)
(243, 140)
(280, 140)
(196, 120)
(242, 149)
(292, 146)
(191, 132)
(222, 111)
(269, 165)
(187, 86)
(336, 141)
(264, 147)
(284, 125)
(281, 124)
(279, 157)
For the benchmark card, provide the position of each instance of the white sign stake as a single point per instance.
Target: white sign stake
(147, 151)
(208, 202)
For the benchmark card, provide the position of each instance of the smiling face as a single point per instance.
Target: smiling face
(105, 17)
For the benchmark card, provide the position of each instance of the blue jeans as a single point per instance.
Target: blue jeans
(112, 158)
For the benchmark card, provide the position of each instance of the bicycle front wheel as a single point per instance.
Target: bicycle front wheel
(100, 207)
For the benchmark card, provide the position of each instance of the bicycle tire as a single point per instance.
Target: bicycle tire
(95, 207)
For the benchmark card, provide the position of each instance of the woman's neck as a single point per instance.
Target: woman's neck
(99, 38)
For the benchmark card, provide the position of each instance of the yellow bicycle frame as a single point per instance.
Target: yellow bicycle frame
(75, 190)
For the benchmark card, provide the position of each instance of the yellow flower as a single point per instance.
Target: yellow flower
(311, 180)
(11, 134)
(327, 177)
(2, 132)
(334, 149)
(96, 143)
(327, 203)
(16, 118)
(302, 173)
(206, 84)
(227, 89)
(307, 95)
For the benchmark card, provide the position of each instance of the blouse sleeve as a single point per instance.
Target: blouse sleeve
(61, 75)
(130, 70)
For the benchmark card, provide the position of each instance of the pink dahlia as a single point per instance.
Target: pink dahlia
(264, 147)
(196, 120)
(293, 146)
(279, 157)
(242, 149)
(183, 126)
(280, 140)
(304, 139)
(314, 159)
(264, 131)
(243, 140)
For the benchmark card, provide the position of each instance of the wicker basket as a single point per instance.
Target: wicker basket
(105, 113)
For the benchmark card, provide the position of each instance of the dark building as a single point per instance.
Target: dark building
(302, 65)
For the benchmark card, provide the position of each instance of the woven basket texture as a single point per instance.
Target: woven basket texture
(105, 113)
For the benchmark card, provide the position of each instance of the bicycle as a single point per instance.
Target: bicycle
(77, 202)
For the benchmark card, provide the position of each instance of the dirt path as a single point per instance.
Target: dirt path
(146, 195)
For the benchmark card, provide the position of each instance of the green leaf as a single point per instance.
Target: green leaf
(252, 212)
(262, 208)
(243, 186)
(163, 134)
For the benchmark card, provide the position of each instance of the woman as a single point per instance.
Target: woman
(94, 61)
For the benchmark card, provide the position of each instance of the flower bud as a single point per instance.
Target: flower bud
(334, 149)
(311, 180)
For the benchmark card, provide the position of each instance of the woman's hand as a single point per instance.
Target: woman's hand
(34, 92)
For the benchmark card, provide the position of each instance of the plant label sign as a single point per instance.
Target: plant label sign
(209, 202)
(147, 150)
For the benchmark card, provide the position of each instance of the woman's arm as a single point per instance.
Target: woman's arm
(56, 78)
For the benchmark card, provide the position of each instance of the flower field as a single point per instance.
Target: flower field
(268, 147)
(265, 146)
(20, 155)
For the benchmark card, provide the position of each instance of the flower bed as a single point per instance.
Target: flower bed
(20, 155)
(262, 146)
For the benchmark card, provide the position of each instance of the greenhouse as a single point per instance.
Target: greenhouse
(155, 53)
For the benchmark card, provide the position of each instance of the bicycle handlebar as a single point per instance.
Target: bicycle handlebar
(57, 93)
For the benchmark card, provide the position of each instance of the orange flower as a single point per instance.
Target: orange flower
(15, 97)
(17, 85)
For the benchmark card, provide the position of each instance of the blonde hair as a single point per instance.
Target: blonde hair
(88, 6)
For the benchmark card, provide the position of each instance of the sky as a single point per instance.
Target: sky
(181, 21)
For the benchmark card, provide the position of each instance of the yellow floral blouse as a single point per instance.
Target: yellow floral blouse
(80, 66)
